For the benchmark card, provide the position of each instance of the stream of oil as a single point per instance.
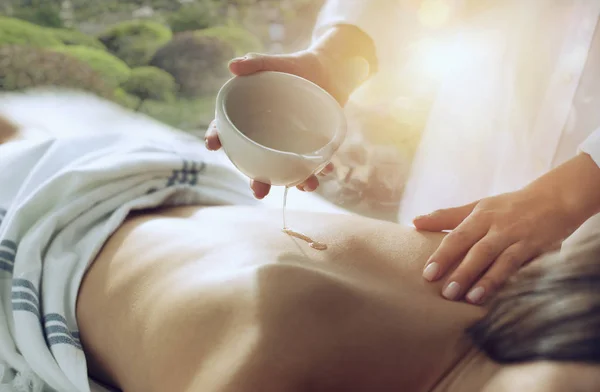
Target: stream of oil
(292, 233)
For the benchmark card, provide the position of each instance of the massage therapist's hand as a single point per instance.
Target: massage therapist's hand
(337, 62)
(306, 64)
(492, 238)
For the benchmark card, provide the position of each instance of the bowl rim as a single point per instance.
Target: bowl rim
(224, 91)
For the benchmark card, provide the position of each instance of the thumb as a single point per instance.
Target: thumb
(446, 219)
(255, 62)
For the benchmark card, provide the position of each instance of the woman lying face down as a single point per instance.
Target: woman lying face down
(218, 299)
(214, 298)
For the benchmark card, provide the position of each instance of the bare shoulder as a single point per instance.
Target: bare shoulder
(546, 377)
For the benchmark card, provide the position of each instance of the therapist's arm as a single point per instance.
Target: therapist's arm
(492, 238)
(343, 54)
(339, 60)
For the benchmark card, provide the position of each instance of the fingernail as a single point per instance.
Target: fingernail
(451, 291)
(476, 295)
(431, 271)
(419, 217)
(309, 188)
(238, 60)
(206, 143)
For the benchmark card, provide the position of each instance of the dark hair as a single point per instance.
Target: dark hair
(550, 310)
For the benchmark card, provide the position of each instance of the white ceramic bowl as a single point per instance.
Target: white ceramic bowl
(278, 128)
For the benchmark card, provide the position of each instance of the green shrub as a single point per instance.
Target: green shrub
(113, 70)
(27, 67)
(150, 83)
(74, 37)
(197, 62)
(43, 14)
(195, 16)
(240, 39)
(135, 42)
(18, 32)
(129, 101)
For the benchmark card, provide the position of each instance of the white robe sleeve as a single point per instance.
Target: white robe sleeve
(591, 146)
(379, 19)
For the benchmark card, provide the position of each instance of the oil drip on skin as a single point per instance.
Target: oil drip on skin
(312, 243)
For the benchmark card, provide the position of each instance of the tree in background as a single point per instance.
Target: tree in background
(150, 83)
(136, 41)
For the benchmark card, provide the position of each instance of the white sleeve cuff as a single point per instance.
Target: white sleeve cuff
(379, 19)
(591, 146)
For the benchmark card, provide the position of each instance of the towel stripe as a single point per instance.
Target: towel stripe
(9, 244)
(8, 267)
(24, 283)
(59, 330)
(50, 317)
(62, 339)
(26, 307)
(7, 256)
(52, 329)
(25, 296)
(29, 302)
(55, 334)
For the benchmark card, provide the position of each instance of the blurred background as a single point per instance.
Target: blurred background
(166, 59)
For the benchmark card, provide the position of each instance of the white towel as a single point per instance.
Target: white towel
(60, 200)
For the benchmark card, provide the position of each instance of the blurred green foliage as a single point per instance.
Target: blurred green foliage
(28, 67)
(136, 41)
(150, 83)
(18, 32)
(43, 14)
(74, 37)
(113, 70)
(197, 62)
(194, 16)
(239, 39)
(178, 49)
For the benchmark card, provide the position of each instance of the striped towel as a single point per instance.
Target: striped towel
(60, 200)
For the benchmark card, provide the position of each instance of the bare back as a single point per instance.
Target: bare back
(219, 299)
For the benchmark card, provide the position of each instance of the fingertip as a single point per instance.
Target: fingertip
(417, 222)
(311, 184)
(249, 64)
(431, 272)
(236, 66)
(260, 189)
(452, 291)
(212, 142)
(476, 295)
(327, 169)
